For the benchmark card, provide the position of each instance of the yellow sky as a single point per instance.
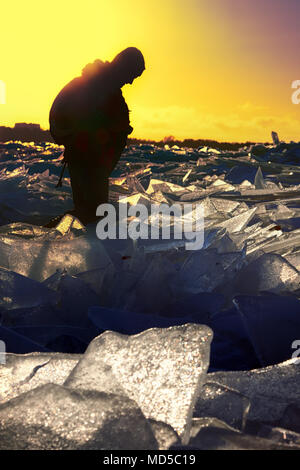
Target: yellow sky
(209, 73)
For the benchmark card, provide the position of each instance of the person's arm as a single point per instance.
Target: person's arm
(117, 113)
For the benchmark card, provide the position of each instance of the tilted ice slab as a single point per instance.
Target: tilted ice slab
(239, 222)
(19, 291)
(56, 418)
(161, 369)
(269, 272)
(204, 270)
(214, 434)
(38, 412)
(74, 297)
(164, 186)
(236, 229)
(270, 390)
(22, 373)
(272, 323)
(224, 403)
(40, 259)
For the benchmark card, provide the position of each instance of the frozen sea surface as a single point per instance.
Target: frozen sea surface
(232, 305)
(244, 281)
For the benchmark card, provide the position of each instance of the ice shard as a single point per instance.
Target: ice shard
(161, 369)
(224, 403)
(60, 288)
(40, 259)
(215, 434)
(239, 222)
(270, 389)
(22, 373)
(17, 291)
(74, 298)
(259, 180)
(269, 272)
(52, 417)
(272, 323)
(275, 138)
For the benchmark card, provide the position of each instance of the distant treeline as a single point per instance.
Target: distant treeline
(33, 133)
(25, 133)
(194, 143)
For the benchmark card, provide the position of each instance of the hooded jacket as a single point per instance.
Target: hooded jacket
(90, 105)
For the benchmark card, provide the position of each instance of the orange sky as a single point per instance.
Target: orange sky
(219, 69)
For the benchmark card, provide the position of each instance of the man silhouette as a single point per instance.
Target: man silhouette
(91, 119)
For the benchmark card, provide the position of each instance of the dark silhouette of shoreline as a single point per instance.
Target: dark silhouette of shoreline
(34, 133)
(25, 133)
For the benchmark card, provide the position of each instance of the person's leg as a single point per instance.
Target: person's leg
(89, 170)
(90, 180)
(89, 183)
(90, 189)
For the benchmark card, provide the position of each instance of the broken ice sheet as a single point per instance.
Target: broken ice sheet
(284, 244)
(238, 222)
(291, 418)
(220, 185)
(23, 192)
(231, 348)
(270, 272)
(14, 342)
(74, 298)
(259, 180)
(67, 223)
(152, 290)
(228, 244)
(214, 434)
(98, 279)
(164, 434)
(204, 270)
(282, 211)
(223, 205)
(280, 435)
(40, 259)
(134, 184)
(161, 369)
(270, 389)
(294, 259)
(18, 291)
(258, 238)
(52, 417)
(59, 337)
(22, 230)
(159, 197)
(224, 403)
(272, 323)
(135, 199)
(164, 186)
(42, 315)
(22, 373)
